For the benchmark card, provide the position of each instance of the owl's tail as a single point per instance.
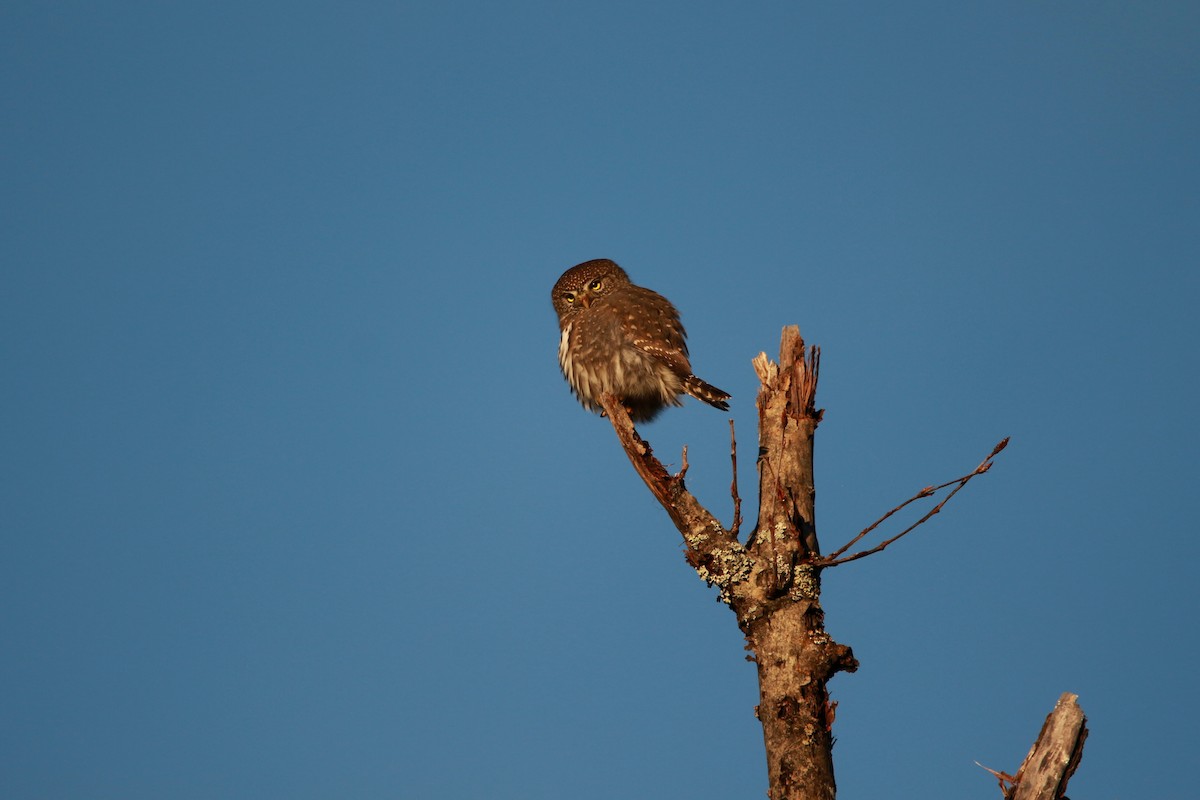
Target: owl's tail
(706, 392)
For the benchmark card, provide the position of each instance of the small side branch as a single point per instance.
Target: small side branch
(836, 557)
(713, 552)
(733, 487)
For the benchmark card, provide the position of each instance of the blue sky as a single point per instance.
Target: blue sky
(295, 503)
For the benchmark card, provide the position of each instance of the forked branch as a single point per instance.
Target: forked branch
(836, 557)
(773, 582)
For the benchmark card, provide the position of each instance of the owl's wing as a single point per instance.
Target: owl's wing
(655, 329)
(673, 357)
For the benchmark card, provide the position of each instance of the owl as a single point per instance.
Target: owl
(625, 340)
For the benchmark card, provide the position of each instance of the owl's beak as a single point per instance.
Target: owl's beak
(585, 300)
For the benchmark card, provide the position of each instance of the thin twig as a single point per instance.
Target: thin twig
(733, 487)
(1005, 780)
(926, 492)
(786, 522)
(785, 501)
(834, 559)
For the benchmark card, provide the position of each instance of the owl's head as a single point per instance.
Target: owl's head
(583, 284)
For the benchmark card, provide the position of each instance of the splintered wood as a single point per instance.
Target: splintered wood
(1054, 756)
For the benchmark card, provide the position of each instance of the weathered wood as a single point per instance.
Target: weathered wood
(1055, 755)
(779, 607)
(773, 582)
(715, 553)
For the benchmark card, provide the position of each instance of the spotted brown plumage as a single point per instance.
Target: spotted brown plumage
(626, 340)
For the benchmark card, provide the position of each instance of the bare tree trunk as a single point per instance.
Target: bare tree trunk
(773, 581)
(779, 607)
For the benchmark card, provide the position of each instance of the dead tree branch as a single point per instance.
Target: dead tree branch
(834, 558)
(713, 551)
(773, 582)
(1054, 757)
(736, 527)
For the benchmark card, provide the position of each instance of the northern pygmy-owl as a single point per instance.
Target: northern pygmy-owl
(625, 340)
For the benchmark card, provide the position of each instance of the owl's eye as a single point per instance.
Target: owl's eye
(569, 297)
(596, 285)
